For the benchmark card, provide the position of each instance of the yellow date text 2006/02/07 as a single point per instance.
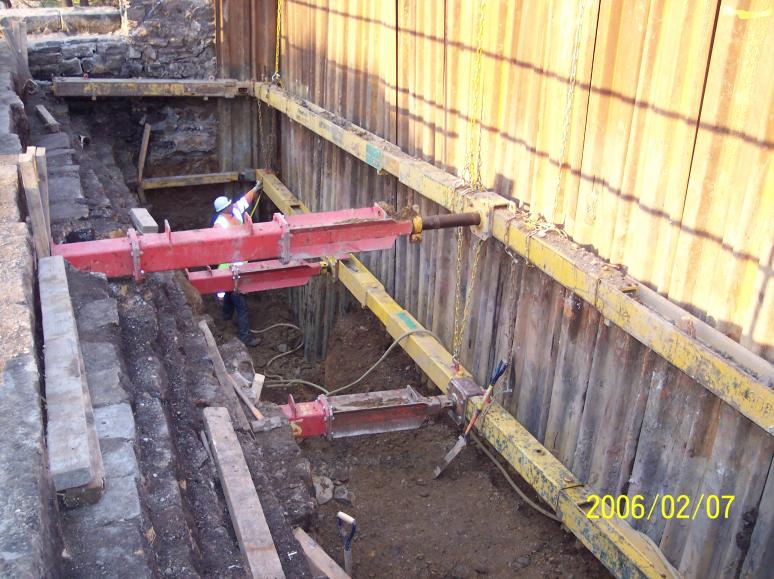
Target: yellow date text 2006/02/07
(666, 506)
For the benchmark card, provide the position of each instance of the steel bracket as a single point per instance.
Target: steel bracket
(460, 390)
(284, 243)
(485, 203)
(136, 252)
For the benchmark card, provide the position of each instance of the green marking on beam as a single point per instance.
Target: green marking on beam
(408, 320)
(374, 157)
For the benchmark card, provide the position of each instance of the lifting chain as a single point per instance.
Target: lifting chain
(568, 104)
(267, 139)
(276, 76)
(460, 323)
(471, 176)
(472, 170)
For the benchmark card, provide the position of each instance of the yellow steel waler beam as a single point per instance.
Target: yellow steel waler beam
(619, 547)
(150, 183)
(142, 87)
(728, 370)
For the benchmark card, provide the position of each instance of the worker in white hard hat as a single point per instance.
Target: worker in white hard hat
(229, 214)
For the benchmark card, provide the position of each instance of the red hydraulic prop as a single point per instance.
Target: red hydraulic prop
(295, 237)
(356, 414)
(254, 277)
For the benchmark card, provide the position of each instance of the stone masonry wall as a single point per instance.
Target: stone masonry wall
(29, 544)
(172, 39)
(99, 56)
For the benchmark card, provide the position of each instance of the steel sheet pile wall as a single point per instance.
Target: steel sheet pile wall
(332, 50)
(666, 133)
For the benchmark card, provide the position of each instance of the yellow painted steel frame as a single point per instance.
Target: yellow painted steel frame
(619, 547)
(141, 87)
(731, 372)
(150, 183)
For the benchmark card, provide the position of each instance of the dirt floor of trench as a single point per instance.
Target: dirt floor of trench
(470, 523)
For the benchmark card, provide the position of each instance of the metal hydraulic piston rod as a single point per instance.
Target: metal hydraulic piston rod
(297, 237)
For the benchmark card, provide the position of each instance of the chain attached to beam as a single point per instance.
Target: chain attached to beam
(471, 175)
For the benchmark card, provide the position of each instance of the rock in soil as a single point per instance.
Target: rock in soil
(323, 489)
(343, 495)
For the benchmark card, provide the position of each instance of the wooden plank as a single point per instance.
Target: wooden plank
(249, 403)
(48, 119)
(760, 557)
(42, 166)
(247, 516)
(226, 384)
(30, 182)
(16, 36)
(615, 403)
(320, 562)
(141, 161)
(571, 377)
(738, 466)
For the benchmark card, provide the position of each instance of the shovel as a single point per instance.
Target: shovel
(462, 441)
(343, 519)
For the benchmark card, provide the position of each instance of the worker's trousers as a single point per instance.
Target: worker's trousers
(234, 301)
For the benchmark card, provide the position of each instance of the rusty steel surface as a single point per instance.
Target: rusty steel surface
(297, 237)
(660, 163)
(359, 414)
(254, 277)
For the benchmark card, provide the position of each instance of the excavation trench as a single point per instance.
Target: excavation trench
(469, 523)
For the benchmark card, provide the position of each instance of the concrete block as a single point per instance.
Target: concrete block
(115, 421)
(121, 502)
(105, 387)
(143, 221)
(117, 550)
(74, 454)
(55, 141)
(64, 171)
(99, 356)
(68, 442)
(119, 458)
(67, 211)
(98, 314)
(64, 188)
(59, 157)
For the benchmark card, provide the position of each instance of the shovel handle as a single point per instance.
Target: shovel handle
(477, 411)
(502, 366)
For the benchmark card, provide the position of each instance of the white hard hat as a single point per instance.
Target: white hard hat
(221, 203)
